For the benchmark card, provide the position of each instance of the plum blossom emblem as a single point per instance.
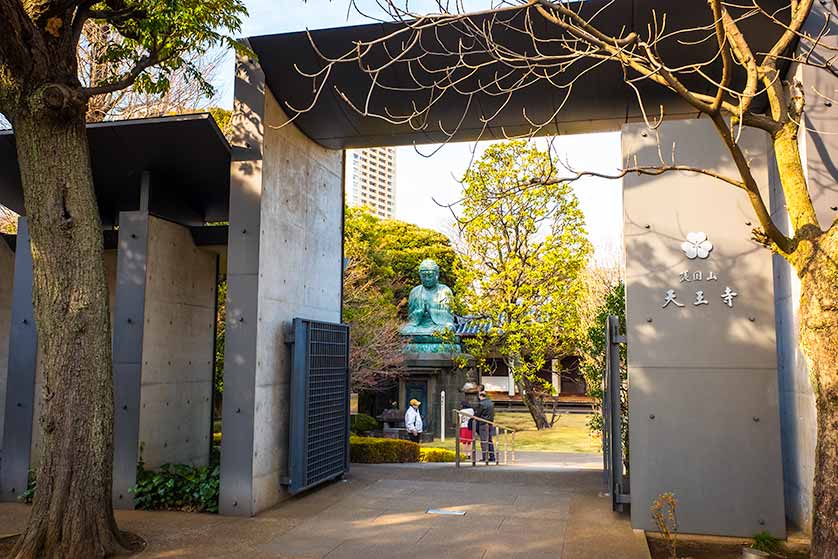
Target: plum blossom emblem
(697, 246)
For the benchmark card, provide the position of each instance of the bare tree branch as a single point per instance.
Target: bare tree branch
(376, 360)
(184, 93)
(127, 79)
(724, 84)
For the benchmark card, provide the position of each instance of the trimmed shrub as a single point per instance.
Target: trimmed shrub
(437, 455)
(361, 423)
(369, 450)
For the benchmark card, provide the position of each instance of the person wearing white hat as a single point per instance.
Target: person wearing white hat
(413, 421)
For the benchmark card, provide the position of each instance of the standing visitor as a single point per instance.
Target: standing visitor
(466, 421)
(413, 421)
(486, 411)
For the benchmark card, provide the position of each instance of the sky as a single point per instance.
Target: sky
(422, 183)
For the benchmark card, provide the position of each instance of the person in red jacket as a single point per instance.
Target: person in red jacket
(466, 431)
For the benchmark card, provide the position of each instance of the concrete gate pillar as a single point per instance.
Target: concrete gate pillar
(20, 375)
(7, 270)
(284, 261)
(704, 421)
(164, 341)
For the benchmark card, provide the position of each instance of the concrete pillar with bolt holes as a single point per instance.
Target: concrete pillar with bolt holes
(164, 342)
(704, 421)
(285, 261)
(7, 270)
(20, 375)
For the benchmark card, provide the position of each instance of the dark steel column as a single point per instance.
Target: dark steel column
(236, 494)
(20, 386)
(129, 319)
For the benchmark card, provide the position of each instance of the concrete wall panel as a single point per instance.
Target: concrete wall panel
(700, 374)
(286, 204)
(660, 212)
(128, 326)
(178, 346)
(299, 275)
(703, 448)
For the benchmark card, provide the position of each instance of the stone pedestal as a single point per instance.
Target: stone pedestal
(429, 374)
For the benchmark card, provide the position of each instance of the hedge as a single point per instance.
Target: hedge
(370, 450)
(437, 455)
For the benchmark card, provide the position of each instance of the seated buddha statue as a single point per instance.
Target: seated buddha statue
(429, 311)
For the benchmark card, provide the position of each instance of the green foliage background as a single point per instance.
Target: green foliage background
(382, 260)
(593, 359)
(361, 423)
(223, 118)
(163, 31)
(220, 329)
(393, 249)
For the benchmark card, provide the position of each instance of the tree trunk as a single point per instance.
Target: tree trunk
(819, 342)
(72, 515)
(534, 404)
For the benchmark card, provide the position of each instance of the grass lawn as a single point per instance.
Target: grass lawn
(569, 434)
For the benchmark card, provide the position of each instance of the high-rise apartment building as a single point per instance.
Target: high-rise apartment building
(371, 180)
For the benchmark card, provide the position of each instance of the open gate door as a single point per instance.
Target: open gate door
(319, 424)
(612, 438)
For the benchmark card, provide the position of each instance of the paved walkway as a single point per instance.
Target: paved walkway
(548, 507)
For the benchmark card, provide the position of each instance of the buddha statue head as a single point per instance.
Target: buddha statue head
(429, 273)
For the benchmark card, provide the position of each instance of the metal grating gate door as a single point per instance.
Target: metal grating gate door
(612, 438)
(319, 426)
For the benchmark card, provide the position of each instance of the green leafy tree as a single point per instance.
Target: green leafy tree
(593, 360)
(184, 92)
(523, 263)
(393, 250)
(45, 101)
(375, 357)
(220, 333)
(224, 119)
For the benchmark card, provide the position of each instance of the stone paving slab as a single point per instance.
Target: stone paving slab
(381, 512)
(554, 479)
